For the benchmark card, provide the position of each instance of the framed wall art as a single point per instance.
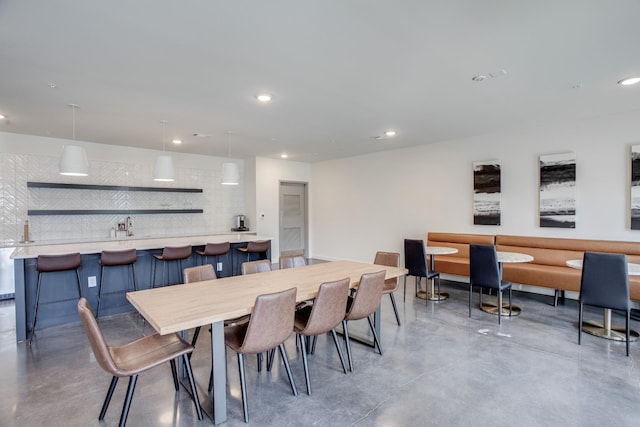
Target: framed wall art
(557, 190)
(486, 192)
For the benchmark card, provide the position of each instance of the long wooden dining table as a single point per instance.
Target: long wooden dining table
(181, 307)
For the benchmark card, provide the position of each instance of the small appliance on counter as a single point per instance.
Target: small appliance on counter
(240, 224)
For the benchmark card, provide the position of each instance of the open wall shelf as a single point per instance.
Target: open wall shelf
(31, 184)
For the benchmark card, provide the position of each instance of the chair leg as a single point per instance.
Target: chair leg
(470, 297)
(510, 305)
(194, 340)
(35, 311)
(335, 341)
(107, 399)
(312, 348)
(285, 359)
(375, 335)
(79, 284)
(133, 276)
(192, 384)
(305, 363)
(271, 354)
(174, 373)
(580, 324)
(395, 308)
(404, 298)
(347, 344)
(628, 331)
(259, 361)
(243, 387)
(153, 272)
(127, 401)
(100, 290)
(499, 306)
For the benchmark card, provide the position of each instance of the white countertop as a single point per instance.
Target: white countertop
(33, 251)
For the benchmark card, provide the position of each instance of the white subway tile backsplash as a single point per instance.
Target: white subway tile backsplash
(219, 203)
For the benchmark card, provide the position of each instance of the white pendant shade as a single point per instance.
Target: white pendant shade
(73, 161)
(230, 174)
(163, 170)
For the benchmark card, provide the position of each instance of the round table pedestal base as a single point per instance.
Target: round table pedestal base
(492, 308)
(616, 333)
(432, 296)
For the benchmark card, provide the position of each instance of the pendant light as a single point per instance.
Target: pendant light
(230, 173)
(74, 158)
(163, 170)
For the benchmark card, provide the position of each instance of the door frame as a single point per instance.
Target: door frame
(305, 187)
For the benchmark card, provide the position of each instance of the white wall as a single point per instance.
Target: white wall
(269, 174)
(372, 202)
(31, 158)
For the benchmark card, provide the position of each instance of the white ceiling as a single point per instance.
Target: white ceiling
(340, 71)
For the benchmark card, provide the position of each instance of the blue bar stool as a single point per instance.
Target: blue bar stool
(216, 250)
(54, 264)
(116, 259)
(170, 253)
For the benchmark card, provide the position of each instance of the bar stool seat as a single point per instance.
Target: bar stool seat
(216, 250)
(117, 258)
(54, 264)
(170, 253)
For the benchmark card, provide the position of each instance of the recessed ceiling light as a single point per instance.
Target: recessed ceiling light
(629, 81)
(284, 155)
(1, 117)
(263, 97)
(390, 133)
(177, 141)
(478, 78)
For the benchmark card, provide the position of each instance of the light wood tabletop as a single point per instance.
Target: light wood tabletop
(181, 307)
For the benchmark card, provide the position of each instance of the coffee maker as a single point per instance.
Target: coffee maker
(240, 224)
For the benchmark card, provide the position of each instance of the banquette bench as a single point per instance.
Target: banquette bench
(548, 268)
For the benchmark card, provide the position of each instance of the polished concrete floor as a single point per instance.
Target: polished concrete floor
(440, 368)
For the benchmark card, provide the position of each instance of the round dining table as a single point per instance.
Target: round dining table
(606, 329)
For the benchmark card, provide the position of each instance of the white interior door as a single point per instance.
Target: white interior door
(293, 218)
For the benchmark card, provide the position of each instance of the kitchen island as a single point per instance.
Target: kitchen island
(61, 288)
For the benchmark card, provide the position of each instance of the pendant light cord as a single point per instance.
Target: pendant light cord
(164, 126)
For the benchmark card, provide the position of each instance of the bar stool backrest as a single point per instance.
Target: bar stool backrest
(171, 253)
(258, 246)
(215, 249)
(48, 263)
(113, 258)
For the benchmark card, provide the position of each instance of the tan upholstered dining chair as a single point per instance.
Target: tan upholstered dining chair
(271, 323)
(130, 360)
(291, 261)
(390, 259)
(323, 316)
(363, 305)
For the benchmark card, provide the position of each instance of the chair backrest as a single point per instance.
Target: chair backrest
(258, 246)
(199, 273)
(328, 308)
(390, 259)
(171, 253)
(368, 296)
(47, 263)
(415, 257)
(271, 321)
(291, 261)
(483, 266)
(605, 281)
(124, 257)
(96, 339)
(253, 267)
(213, 249)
